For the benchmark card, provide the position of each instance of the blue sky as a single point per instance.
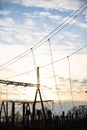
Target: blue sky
(23, 24)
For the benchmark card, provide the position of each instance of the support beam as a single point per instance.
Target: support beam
(31, 102)
(8, 82)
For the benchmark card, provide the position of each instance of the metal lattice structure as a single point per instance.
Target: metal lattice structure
(7, 82)
(15, 83)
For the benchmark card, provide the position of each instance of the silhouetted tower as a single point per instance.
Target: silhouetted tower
(2, 109)
(38, 92)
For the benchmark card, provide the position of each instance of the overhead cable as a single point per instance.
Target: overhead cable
(41, 42)
(70, 82)
(54, 75)
(23, 73)
(61, 59)
(64, 57)
(70, 20)
(34, 59)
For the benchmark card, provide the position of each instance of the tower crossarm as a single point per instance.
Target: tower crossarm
(8, 82)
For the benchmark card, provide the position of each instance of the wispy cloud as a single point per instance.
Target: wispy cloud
(65, 4)
(82, 25)
(5, 12)
(7, 22)
(27, 25)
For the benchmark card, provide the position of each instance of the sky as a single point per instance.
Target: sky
(54, 33)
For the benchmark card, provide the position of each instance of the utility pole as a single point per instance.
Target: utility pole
(38, 92)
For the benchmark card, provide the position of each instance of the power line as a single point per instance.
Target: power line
(64, 37)
(64, 24)
(61, 59)
(6, 64)
(45, 98)
(13, 60)
(65, 57)
(67, 23)
(54, 74)
(34, 59)
(77, 51)
(48, 103)
(20, 74)
(50, 63)
(69, 70)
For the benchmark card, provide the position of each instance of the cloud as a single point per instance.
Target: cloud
(6, 37)
(12, 33)
(50, 16)
(30, 23)
(24, 38)
(18, 33)
(84, 83)
(82, 25)
(71, 35)
(75, 81)
(53, 4)
(42, 17)
(26, 31)
(5, 12)
(7, 22)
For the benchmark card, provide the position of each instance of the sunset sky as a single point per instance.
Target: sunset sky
(51, 35)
